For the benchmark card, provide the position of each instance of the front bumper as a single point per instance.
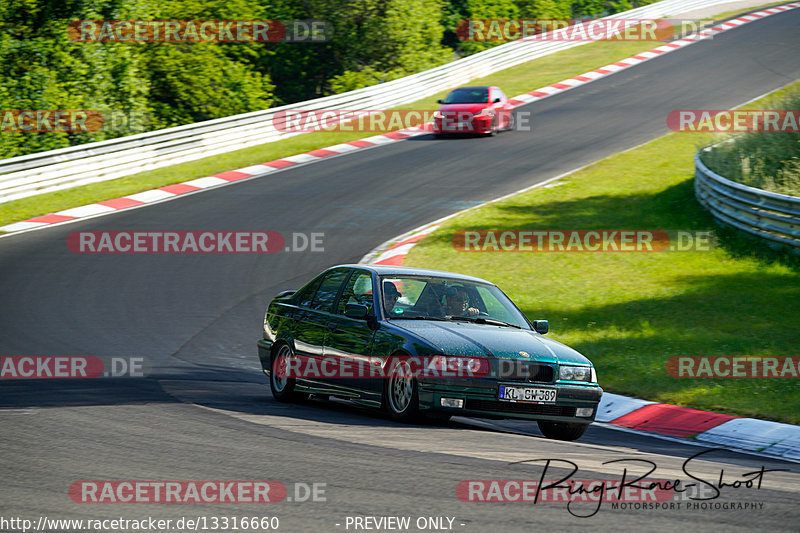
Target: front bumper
(476, 125)
(481, 400)
(265, 354)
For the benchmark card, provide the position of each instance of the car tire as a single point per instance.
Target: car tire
(401, 392)
(282, 387)
(562, 430)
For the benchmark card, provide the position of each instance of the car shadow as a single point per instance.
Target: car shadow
(453, 137)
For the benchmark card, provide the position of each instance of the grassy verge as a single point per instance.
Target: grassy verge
(631, 312)
(766, 160)
(513, 81)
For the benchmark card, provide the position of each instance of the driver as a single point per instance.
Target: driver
(457, 303)
(390, 295)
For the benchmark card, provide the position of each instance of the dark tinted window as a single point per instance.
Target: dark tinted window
(328, 289)
(468, 96)
(306, 294)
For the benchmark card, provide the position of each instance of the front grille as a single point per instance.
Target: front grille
(522, 408)
(524, 371)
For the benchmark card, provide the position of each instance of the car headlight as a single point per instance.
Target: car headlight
(488, 112)
(575, 373)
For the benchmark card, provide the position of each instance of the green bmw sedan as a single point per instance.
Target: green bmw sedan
(424, 342)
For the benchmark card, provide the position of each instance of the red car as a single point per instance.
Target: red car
(483, 110)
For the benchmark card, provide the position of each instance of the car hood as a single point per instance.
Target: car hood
(469, 339)
(463, 108)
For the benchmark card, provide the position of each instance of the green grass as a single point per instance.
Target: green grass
(630, 312)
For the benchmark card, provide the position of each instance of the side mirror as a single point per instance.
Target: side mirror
(357, 311)
(497, 100)
(541, 326)
(439, 101)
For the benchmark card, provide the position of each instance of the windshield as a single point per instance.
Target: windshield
(425, 297)
(468, 96)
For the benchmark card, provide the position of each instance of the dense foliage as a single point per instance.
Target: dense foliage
(145, 86)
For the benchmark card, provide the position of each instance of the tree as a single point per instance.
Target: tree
(136, 86)
(373, 41)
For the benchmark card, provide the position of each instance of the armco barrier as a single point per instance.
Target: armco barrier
(89, 163)
(767, 215)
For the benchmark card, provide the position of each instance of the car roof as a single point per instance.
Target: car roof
(392, 270)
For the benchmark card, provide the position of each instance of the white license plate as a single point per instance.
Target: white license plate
(527, 394)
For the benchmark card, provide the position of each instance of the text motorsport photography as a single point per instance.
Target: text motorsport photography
(636, 489)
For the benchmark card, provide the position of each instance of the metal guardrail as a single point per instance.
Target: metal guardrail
(767, 215)
(105, 160)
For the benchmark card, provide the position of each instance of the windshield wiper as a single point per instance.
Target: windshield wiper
(418, 318)
(485, 320)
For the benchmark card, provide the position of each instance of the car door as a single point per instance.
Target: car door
(349, 340)
(312, 326)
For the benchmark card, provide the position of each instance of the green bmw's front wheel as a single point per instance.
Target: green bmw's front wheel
(402, 392)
